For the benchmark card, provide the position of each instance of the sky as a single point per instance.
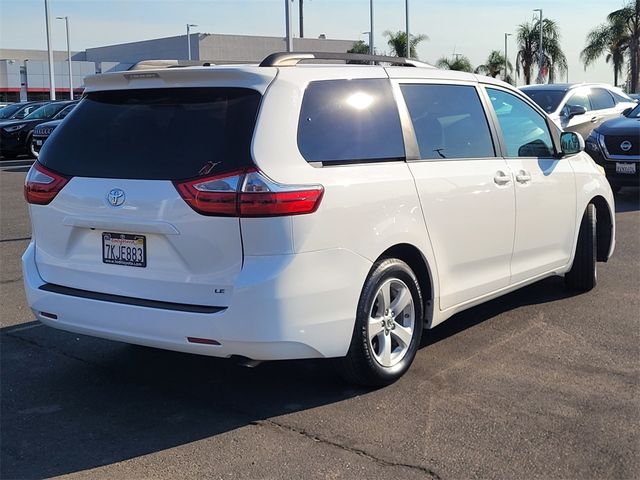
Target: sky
(472, 28)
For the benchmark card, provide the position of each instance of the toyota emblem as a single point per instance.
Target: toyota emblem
(626, 146)
(116, 197)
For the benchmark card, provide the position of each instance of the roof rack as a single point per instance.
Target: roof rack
(154, 64)
(290, 59)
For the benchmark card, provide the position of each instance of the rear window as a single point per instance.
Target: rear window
(155, 134)
(344, 121)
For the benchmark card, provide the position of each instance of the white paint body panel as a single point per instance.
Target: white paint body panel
(292, 284)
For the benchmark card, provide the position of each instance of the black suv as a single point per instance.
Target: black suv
(44, 130)
(15, 135)
(616, 146)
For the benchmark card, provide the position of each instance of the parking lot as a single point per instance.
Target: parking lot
(537, 384)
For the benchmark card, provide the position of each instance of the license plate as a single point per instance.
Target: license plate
(39, 143)
(625, 168)
(124, 249)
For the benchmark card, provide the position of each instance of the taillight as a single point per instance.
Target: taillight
(42, 185)
(248, 193)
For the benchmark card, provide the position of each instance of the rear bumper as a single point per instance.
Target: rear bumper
(283, 307)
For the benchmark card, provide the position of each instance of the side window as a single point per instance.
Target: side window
(579, 99)
(349, 120)
(524, 130)
(601, 99)
(449, 121)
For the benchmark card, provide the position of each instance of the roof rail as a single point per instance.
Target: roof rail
(290, 59)
(155, 64)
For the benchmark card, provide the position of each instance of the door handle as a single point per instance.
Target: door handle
(523, 177)
(501, 178)
(594, 119)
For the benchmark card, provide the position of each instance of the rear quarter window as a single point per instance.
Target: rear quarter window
(155, 134)
(344, 121)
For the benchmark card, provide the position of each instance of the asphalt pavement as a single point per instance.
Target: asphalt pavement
(537, 384)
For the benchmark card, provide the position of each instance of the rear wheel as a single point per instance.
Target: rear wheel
(388, 326)
(583, 273)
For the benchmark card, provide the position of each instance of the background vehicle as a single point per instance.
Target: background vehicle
(15, 135)
(42, 131)
(303, 211)
(616, 146)
(20, 110)
(579, 107)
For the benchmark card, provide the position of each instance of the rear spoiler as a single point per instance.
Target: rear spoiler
(156, 64)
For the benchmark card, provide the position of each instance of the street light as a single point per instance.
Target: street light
(66, 21)
(189, 25)
(406, 12)
(287, 15)
(371, 50)
(540, 50)
(52, 86)
(506, 57)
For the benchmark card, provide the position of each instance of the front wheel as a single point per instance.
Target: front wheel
(388, 326)
(583, 274)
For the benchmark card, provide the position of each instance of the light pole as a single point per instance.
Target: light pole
(506, 57)
(189, 25)
(301, 19)
(66, 22)
(540, 50)
(371, 49)
(52, 83)
(287, 14)
(406, 12)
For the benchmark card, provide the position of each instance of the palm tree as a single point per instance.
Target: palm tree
(460, 63)
(617, 38)
(553, 58)
(494, 65)
(398, 43)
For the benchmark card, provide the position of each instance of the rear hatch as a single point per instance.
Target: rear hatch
(119, 225)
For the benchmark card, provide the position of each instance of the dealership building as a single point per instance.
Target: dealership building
(24, 74)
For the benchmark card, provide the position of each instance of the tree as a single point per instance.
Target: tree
(494, 65)
(553, 58)
(398, 43)
(616, 39)
(460, 63)
(359, 47)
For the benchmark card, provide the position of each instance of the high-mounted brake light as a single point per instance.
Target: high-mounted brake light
(248, 193)
(42, 185)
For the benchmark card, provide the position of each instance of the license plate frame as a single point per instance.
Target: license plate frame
(626, 168)
(114, 249)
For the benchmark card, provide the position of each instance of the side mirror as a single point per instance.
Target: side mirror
(573, 110)
(627, 111)
(571, 142)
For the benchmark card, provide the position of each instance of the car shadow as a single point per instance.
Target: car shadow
(628, 200)
(71, 403)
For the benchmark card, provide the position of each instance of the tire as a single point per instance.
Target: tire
(583, 274)
(395, 335)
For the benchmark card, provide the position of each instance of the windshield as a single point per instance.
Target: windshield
(635, 113)
(548, 100)
(64, 112)
(10, 110)
(45, 112)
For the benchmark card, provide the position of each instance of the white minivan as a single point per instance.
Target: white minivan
(304, 210)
